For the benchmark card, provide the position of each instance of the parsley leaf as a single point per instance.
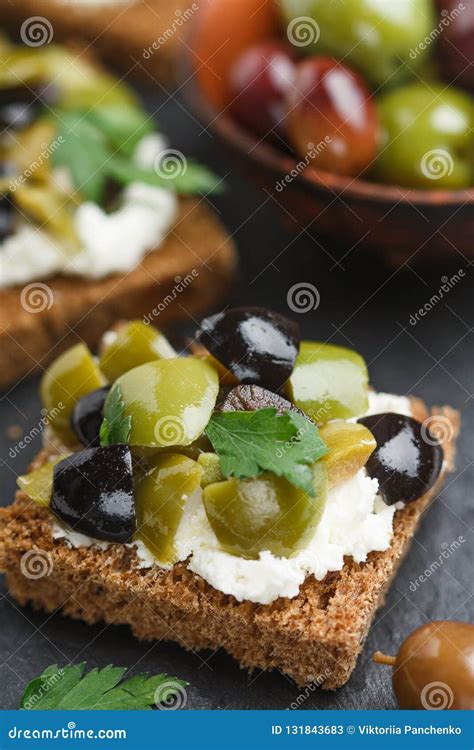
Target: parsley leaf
(249, 442)
(98, 145)
(115, 427)
(100, 689)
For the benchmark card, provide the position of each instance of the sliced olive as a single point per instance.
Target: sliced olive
(71, 376)
(407, 460)
(45, 204)
(87, 416)
(130, 345)
(256, 345)
(266, 513)
(93, 493)
(253, 397)
(210, 464)
(38, 484)
(329, 382)
(28, 146)
(160, 499)
(169, 401)
(350, 446)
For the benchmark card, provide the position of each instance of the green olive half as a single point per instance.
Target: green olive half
(132, 344)
(266, 513)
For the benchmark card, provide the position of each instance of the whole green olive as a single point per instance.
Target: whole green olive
(434, 667)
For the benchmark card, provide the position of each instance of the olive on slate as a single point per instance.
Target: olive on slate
(407, 461)
(253, 397)
(73, 374)
(266, 513)
(329, 382)
(255, 344)
(434, 667)
(87, 416)
(93, 493)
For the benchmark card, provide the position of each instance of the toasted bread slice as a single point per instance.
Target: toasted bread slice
(140, 37)
(316, 636)
(189, 273)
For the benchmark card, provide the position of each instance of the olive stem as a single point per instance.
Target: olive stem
(380, 658)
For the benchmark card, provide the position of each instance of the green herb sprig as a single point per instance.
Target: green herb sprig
(115, 427)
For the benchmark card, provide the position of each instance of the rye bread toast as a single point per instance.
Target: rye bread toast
(54, 314)
(139, 37)
(314, 637)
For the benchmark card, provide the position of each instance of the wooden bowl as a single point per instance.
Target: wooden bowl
(402, 223)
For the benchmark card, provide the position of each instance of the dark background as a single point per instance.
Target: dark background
(365, 305)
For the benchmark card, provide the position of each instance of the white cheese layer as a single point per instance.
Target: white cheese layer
(355, 522)
(109, 242)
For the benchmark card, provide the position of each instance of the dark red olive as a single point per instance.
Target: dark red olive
(86, 417)
(256, 345)
(259, 81)
(407, 460)
(93, 493)
(456, 43)
(253, 397)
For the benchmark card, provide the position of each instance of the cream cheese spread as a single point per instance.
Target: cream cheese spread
(109, 242)
(355, 522)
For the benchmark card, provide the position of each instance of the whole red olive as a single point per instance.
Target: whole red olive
(259, 80)
(434, 667)
(456, 42)
(332, 118)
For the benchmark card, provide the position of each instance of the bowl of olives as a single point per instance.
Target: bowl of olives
(357, 120)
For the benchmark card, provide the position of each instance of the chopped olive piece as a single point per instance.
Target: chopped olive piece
(254, 344)
(71, 376)
(160, 499)
(28, 146)
(266, 513)
(210, 464)
(406, 462)
(93, 493)
(350, 446)
(329, 382)
(169, 401)
(87, 416)
(7, 216)
(253, 397)
(38, 484)
(130, 345)
(45, 204)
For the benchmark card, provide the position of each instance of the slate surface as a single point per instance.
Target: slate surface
(365, 305)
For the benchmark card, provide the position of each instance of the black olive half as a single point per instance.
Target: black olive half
(93, 493)
(407, 460)
(256, 345)
(86, 417)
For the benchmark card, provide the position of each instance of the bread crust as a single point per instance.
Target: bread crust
(315, 637)
(79, 309)
(123, 35)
